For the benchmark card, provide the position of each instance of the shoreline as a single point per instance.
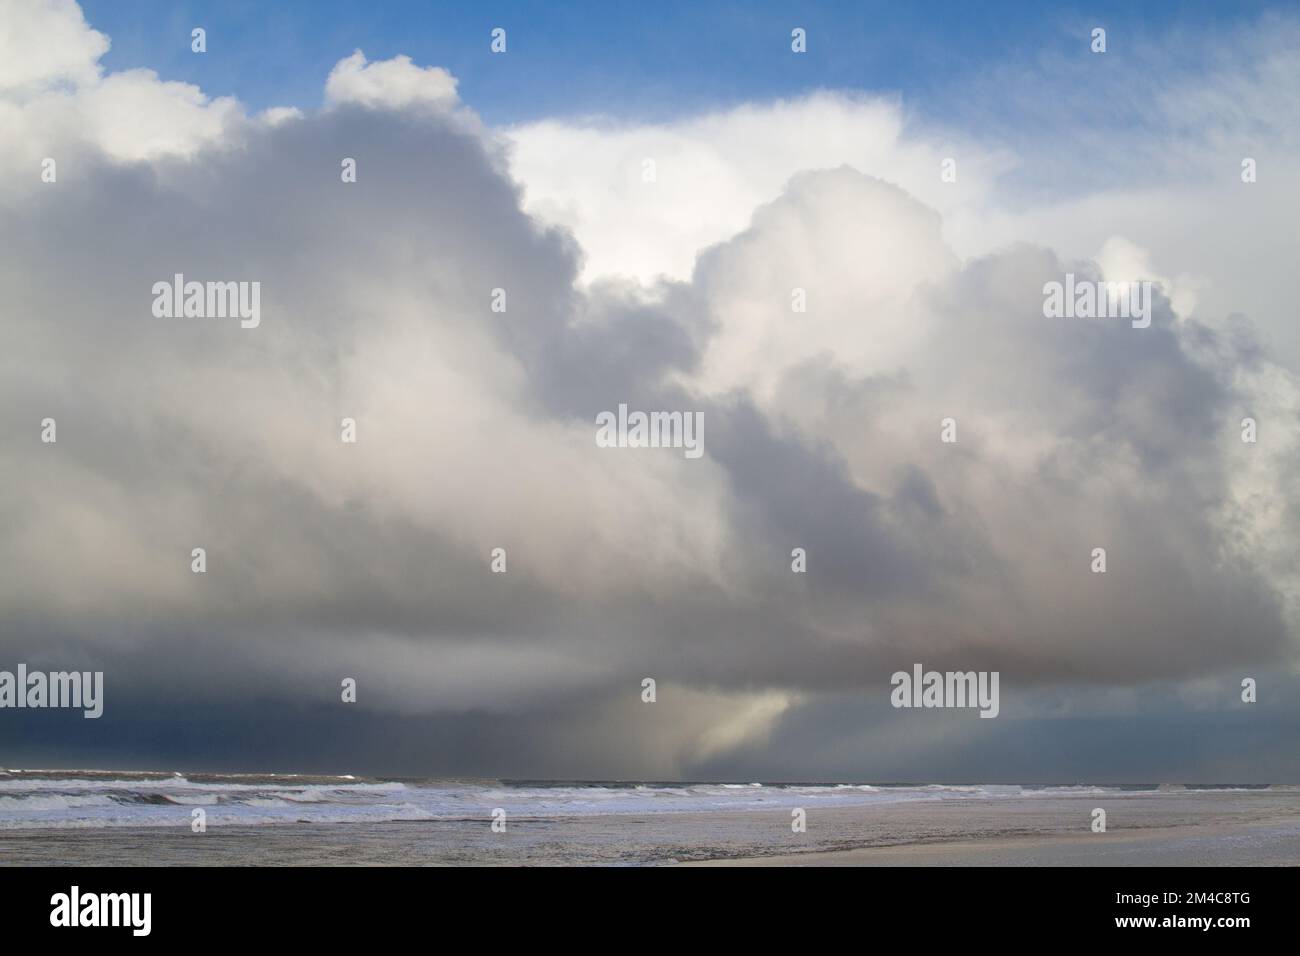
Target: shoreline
(1144, 829)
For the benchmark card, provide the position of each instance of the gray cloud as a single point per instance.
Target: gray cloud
(475, 431)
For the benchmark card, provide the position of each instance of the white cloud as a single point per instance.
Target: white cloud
(44, 43)
(57, 102)
(712, 171)
(856, 292)
(1038, 162)
(394, 84)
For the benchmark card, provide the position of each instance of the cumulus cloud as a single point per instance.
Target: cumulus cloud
(709, 173)
(47, 43)
(1147, 149)
(57, 103)
(397, 83)
(475, 431)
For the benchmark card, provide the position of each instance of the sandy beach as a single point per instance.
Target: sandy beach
(1276, 844)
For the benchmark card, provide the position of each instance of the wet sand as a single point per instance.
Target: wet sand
(1197, 845)
(1173, 828)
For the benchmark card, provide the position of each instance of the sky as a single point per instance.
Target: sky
(639, 61)
(647, 194)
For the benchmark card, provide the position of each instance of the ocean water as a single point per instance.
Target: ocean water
(66, 799)
(118, 817)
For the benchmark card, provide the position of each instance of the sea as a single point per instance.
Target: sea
(92, 817)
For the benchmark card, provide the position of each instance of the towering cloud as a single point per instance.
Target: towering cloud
(475, 429)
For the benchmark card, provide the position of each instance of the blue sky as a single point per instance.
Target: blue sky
(643, 61)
